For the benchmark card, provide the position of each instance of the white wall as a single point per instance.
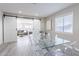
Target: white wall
(10, 24)
(1, 41)
(75, 35)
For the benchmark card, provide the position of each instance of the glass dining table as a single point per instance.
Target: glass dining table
(48, 44)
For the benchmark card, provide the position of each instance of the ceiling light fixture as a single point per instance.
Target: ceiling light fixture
(36, 14)
(20, 12)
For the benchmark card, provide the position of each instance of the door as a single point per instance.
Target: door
(10, 24)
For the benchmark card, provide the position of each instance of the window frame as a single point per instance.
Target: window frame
(63, 15)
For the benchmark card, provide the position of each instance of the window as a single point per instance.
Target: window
(36, 25)
(68, 23)
(24, 24)
(59, 24)
(64, 23)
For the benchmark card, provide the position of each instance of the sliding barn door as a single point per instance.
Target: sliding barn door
(10, 24)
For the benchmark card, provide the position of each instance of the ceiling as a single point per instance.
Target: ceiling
(33, 9)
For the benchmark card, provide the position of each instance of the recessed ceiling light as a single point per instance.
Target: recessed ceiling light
(36, 14)
(20, 12)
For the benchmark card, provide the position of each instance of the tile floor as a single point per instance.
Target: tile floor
(25, 46)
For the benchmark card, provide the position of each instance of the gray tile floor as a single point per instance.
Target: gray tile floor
(25, 46)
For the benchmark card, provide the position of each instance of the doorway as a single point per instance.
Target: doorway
(28, 30)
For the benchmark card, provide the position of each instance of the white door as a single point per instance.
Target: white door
(10, 24)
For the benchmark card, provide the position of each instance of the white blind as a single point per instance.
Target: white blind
(64, 23)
